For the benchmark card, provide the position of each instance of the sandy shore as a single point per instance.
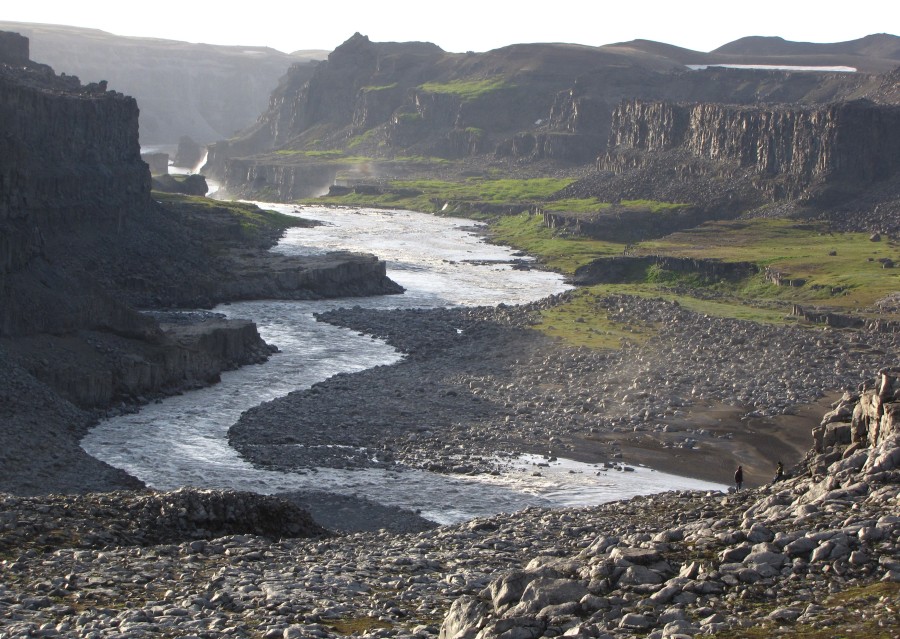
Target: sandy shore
(757, 444)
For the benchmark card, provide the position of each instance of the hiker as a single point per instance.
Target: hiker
(779, 473)
(739, 477)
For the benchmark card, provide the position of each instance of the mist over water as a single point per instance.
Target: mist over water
(182, 440)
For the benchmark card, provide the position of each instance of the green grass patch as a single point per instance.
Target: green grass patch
(467, 90)
(652, 206)
(840, 268)
(577, 205)
(484, 190)
(593, 205)
(356, 140)
(251, 217)
(372, 89)
(420, 159)
(584, 322)
(317, 155)
(528, 233)
(409, 117)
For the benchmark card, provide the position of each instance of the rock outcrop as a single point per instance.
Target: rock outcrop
(866, 420)
(120, 518)
(789, 149)
(14, 48)
(624, 268)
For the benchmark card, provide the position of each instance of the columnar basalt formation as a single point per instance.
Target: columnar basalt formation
(69, 157)
(14, 48)
(790, 149)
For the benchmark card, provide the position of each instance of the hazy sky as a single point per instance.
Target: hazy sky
(469, 25)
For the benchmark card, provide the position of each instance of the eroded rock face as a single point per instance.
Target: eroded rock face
(866, 419)
(67, 156)
(789, 148)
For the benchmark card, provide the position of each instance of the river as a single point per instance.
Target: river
(182, 440)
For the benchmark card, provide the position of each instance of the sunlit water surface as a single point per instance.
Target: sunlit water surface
(182, 440)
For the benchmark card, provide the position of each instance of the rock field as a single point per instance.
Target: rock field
(476, 381)
(821, 550)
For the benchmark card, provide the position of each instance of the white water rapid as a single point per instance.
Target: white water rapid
(182, 440)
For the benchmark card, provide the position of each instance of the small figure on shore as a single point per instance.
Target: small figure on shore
(739, 477)
(779, 473)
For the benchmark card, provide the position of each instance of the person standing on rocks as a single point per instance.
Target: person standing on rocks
(779, 473)
(739, 477)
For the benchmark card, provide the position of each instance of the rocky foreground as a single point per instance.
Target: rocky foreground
(819, 550)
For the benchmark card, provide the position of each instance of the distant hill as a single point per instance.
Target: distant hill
(878, 53)
(206, 92)
(879, 45)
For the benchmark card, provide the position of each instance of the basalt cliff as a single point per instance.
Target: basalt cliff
(84, 243)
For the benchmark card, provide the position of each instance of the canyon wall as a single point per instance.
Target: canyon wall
(789, 149)
(69, 164)
(69, 155)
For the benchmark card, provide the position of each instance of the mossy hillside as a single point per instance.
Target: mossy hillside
(845, 270)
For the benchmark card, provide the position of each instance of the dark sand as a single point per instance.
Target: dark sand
(757, 444)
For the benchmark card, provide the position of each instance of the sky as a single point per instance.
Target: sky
(469, 25)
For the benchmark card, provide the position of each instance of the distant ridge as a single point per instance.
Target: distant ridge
(203, 91)
(880, 45)
(877, 53)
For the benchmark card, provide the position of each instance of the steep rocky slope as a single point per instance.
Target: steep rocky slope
(203, 91)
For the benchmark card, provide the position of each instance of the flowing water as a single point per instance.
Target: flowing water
(182, 440)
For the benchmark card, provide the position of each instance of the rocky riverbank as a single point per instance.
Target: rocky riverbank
(54, 387)
(701, 396)
(820, 550)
